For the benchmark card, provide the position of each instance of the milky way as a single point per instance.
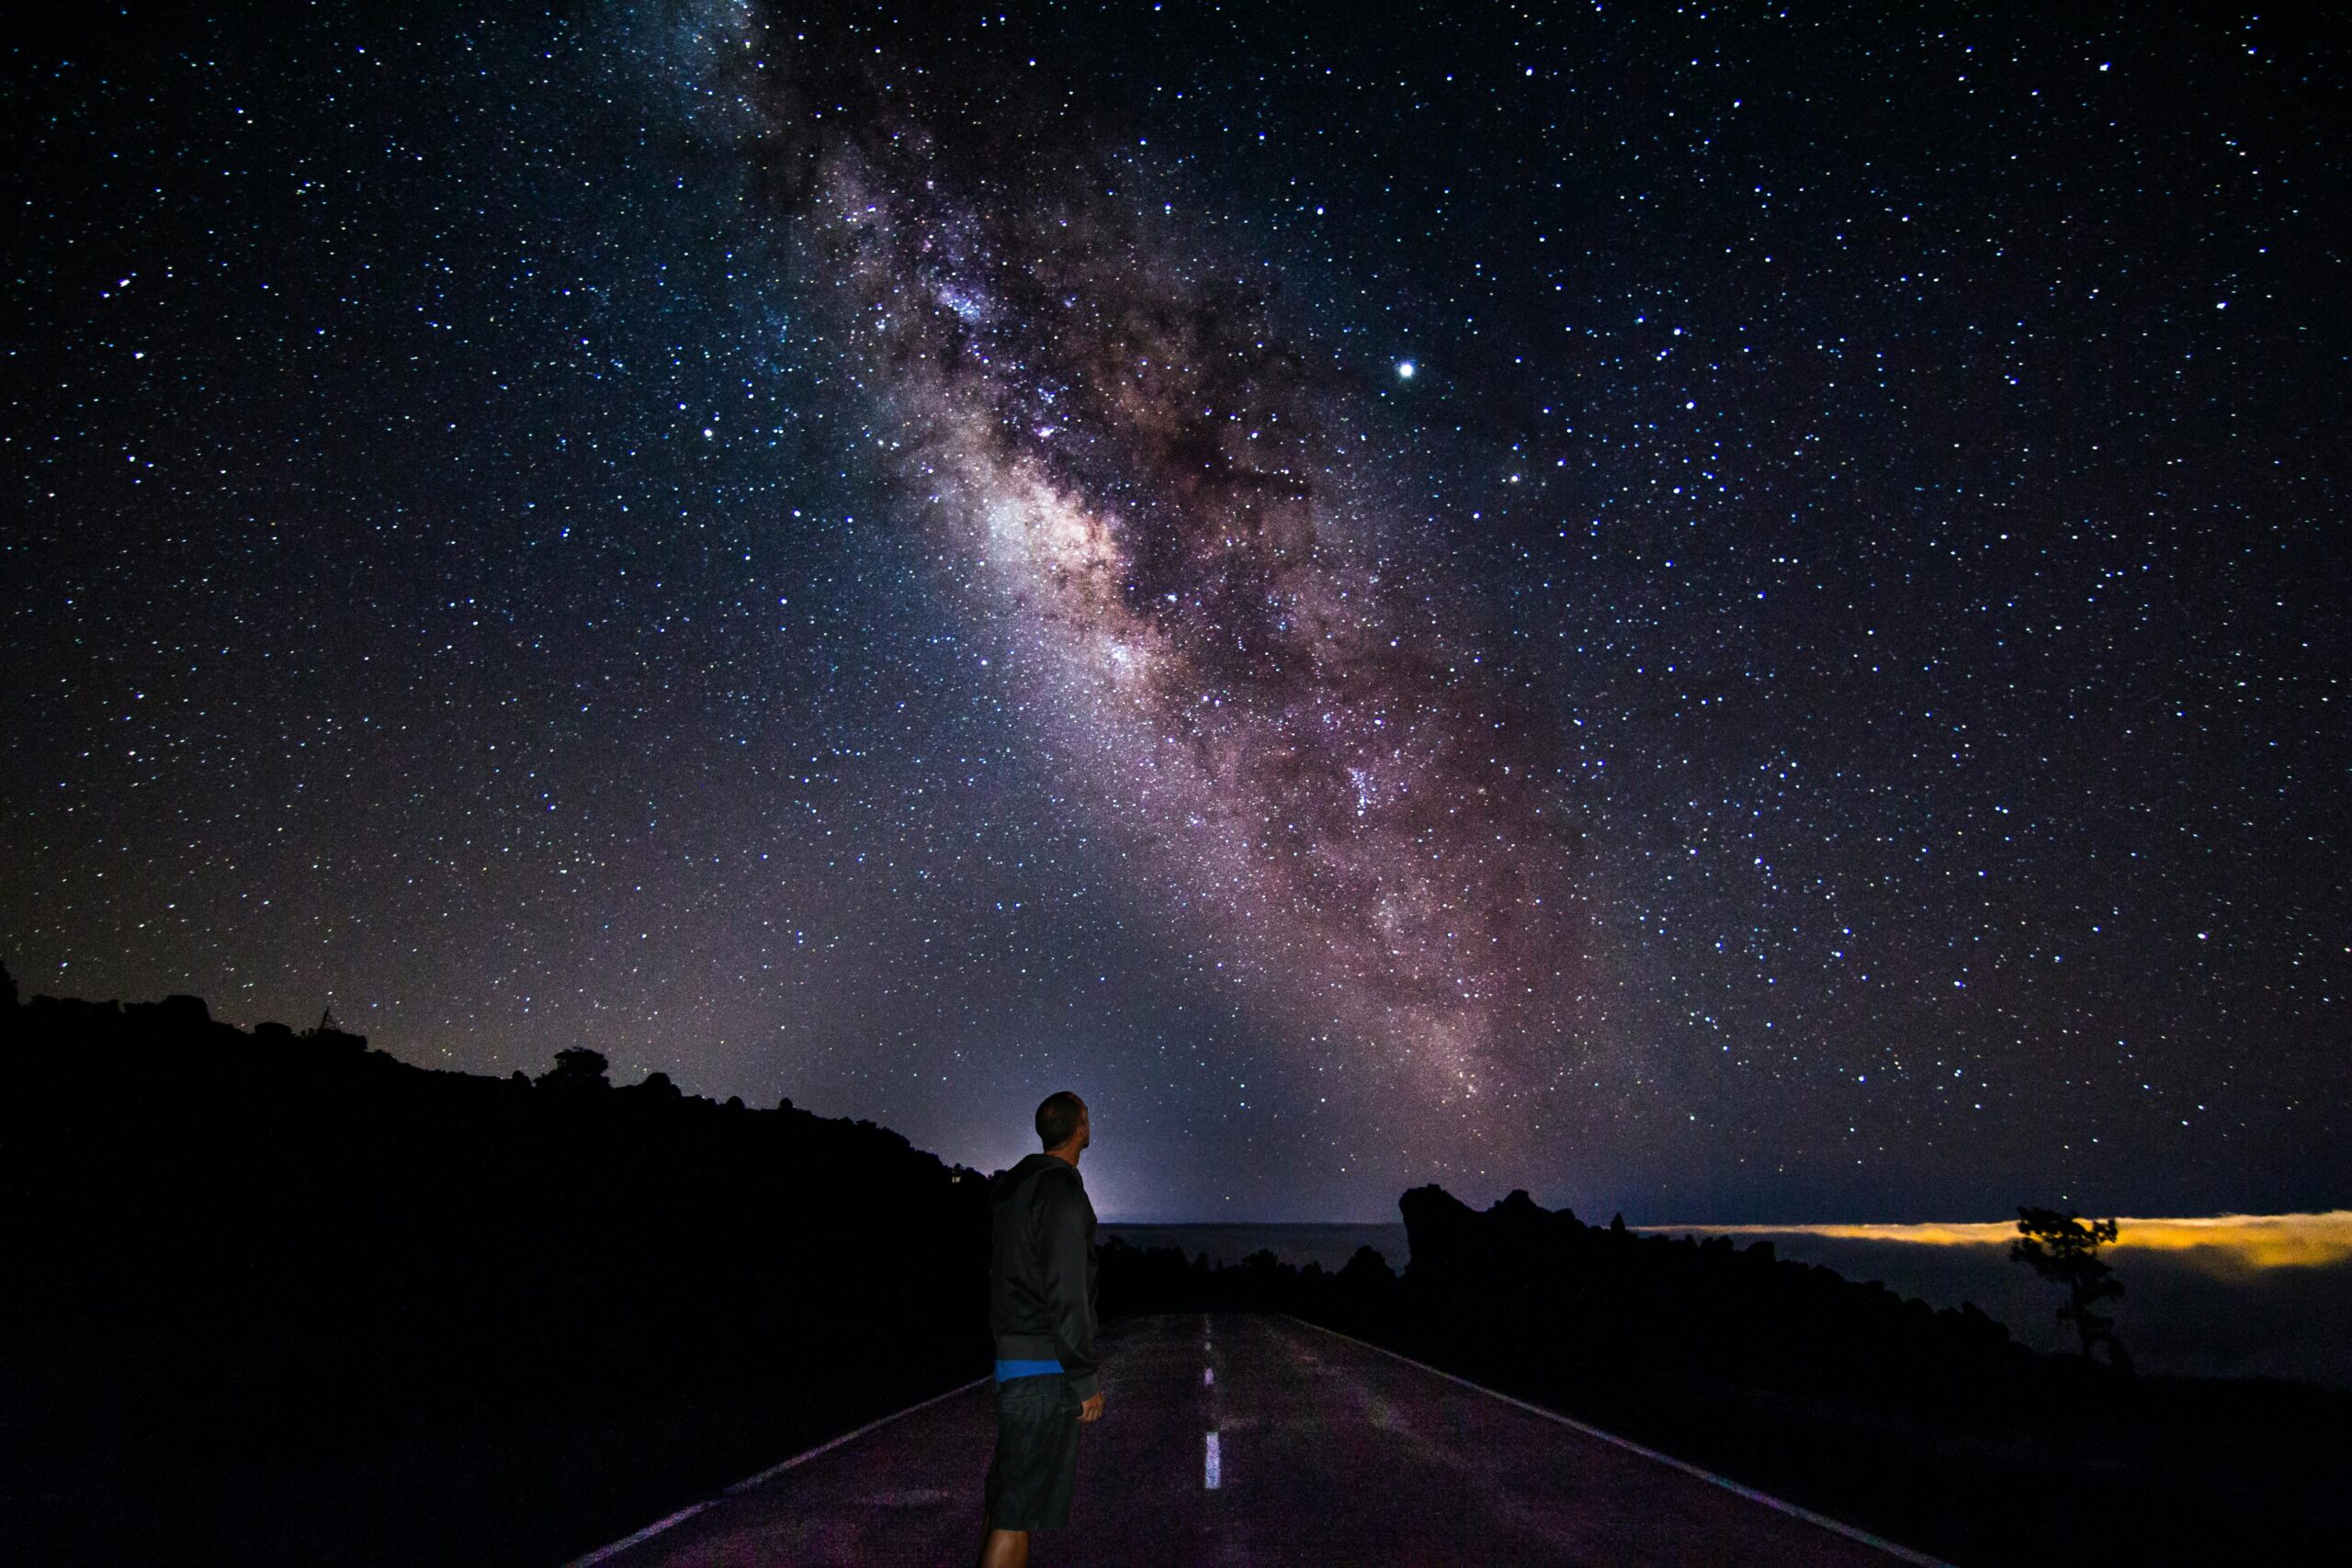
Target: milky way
(1165, 500)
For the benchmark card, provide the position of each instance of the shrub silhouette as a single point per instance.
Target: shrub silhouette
(576, 1068)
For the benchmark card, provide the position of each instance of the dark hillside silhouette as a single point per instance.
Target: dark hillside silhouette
(278, 1298)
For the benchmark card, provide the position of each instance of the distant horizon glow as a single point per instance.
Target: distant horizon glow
(2255, 1241)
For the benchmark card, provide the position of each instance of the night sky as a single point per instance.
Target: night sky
(1726, 612)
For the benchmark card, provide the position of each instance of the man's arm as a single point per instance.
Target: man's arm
(1063, 1233)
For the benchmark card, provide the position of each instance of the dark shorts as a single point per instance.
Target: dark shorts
(1034, 1470)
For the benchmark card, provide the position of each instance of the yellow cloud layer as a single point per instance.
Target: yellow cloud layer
(2255, 1241)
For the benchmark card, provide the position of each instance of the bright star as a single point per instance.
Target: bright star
(1404, 370)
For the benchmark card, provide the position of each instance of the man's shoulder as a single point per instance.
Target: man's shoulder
(1060, 1183)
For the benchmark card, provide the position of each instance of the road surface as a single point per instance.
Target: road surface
(1242, 1439)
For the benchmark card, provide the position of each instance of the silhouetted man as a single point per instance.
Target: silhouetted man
(1041, 1308)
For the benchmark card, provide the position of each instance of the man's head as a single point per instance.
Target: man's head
(1061, 1124)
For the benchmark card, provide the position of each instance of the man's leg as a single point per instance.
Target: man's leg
(1005, 1548)
(1029, 1475)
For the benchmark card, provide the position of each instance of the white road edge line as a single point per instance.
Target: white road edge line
(1726, 1481)
(649, 1532)
(1210, 1467)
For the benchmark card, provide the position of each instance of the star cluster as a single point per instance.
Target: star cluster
(1717, 613)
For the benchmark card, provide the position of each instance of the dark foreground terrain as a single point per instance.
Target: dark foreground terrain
(274, 1298)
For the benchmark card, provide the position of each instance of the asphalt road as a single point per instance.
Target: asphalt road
(1322, 1450)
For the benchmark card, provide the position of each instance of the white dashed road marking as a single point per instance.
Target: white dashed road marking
(1211, 1470)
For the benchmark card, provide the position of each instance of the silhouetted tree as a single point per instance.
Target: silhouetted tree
(8, 988)
(577, 1067)
(2064, 1249)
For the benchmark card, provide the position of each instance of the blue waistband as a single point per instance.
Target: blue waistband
(1007, 1371)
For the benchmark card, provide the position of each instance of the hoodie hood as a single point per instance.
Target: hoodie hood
(1006, 1183)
